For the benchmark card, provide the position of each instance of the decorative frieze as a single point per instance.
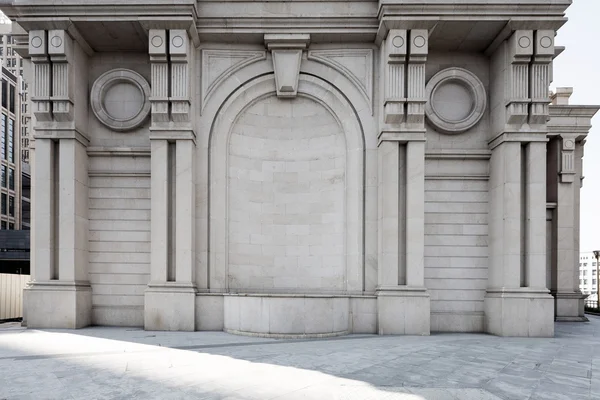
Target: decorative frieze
(567, 158)
(395, 71)
(159, 66)
(179, 51)
(415, 93)
(38, 50)
(517, 83)
(541, 76)
(60, 49)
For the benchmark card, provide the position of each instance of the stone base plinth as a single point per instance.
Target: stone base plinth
(403, 310)
(570, 306)
(286, 315)
(58, 305)
(522, 312)
(170, 307)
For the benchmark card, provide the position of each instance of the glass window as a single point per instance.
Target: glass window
(11, 179)
(584, 272)
(4, 93)
(585, 264)
(11, 206)
(3, 138)
(585, 281)
(11, 137)
(12, 99)
(593, 281)
(3, 176)
(11, 226)
(3, 200)
(593, 264)
(3, 225)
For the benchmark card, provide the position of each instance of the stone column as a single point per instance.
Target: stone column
(517, 302)
(403, 304)
(60, 294)
(170, 300)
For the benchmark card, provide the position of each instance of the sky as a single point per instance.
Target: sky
(578, 67)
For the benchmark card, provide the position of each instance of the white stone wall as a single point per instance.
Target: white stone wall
(119, 242)
(286, 198)
(456, 252)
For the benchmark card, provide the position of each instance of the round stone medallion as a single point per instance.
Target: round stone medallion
(36, 41)
(398, 41)
(456, 100)
(120, 99)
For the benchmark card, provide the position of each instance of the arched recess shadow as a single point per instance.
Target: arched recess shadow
(346, 116)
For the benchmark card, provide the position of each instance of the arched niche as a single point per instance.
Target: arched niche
(323, 94)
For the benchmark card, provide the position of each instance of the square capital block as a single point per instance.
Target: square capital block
(38, 44)
(396, 44)
(59, 43)
(544, 43)
(521, 44)
(419, 42)
(157, 42)
(178, 42)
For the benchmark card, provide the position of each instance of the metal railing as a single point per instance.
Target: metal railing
(591, 303)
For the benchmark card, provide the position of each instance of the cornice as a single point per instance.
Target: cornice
(106, 8)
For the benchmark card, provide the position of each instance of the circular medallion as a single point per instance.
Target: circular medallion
(569, 144)
(36, 41)
(546, 42)
(56, 41)
(419, 41)
(456, 100)
(524, 42)
(156, 41)
(398, 41)
(177, 41)
(120, 99)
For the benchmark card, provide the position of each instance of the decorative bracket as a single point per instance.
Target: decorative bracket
(395, 98)
(520, 53)
(567, 155)
(286, 51)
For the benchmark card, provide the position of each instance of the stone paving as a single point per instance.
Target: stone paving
(120, 363)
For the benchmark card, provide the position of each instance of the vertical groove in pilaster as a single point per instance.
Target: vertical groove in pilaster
(180, 80)
(42, 85)
(540, 81)
(55, 207)
(159, 72)
(171, 209)
(416, 81)
(402, 214)
(60, 77)
(524, 216)
(520, 80)
(395, 85)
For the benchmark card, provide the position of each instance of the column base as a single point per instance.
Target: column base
(170, 306)
(522, 312)
(58, 305)
(403, 310)
(570, 306)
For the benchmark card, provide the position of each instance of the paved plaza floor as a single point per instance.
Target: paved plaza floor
(121, 363)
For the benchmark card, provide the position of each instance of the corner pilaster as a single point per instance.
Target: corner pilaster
(173, 144)
(517, 301)
(568, 129)
(59, 295)
(403, 303)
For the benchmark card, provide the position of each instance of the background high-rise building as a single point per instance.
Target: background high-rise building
(587, 275)
(10, 150)
(13, 62)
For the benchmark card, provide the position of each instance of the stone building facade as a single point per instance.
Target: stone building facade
(301, 168)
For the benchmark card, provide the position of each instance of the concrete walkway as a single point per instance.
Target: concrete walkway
(119, 363)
